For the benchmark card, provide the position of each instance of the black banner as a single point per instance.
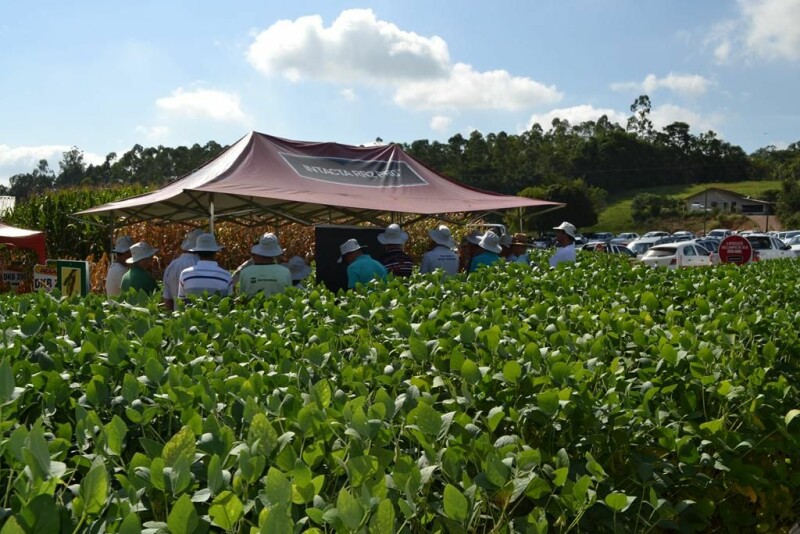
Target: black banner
(361, 173)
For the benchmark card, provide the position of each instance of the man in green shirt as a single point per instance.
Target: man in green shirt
(139, 277)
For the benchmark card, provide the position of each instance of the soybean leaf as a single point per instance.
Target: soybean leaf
(183, 517)
(226, 510)
(350, 511)
(456, 506)
(94, 489)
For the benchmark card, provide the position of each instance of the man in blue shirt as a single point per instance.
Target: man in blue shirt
(361, 268)
(491, 249)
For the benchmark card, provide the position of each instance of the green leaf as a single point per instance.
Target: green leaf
(419, 349)
(350, 511)
(278, 520)
(153, 337)
(261, 430)
(456, 506)
(216, 480)
(470, 372)
(181, 444)
(669, 353)
(37, 454)
(713, 426)
(512, 371)
(41, 515)
(790, 415)
(226, 510)
(6, 383)
(428, 420)
(361, 468)
(322, 393)
(496, 471)
(94, 489)
(548, 402)
(560, 476)
(12, 526)
(277, 488)
(383, 519)
(115, 435)
(183, 517)
(619, 502)
(130, 525)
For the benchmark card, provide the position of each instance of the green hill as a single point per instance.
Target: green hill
(617, 215)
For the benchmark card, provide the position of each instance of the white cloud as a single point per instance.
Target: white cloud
(357, 47)
(466, 88)
(349, 95)
(765, 29)
(440, 123)
(203, 103)
(576, 115)
(685, 84)
(153, 133)
(24, 159)
(669, 113)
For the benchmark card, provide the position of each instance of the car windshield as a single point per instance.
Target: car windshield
(639, 248)
(660, 252)
(759, 242)
(794, 241)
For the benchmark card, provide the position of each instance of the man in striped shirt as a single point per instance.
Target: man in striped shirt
(206, 276)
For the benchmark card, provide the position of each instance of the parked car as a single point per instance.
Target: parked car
(674, 255)
(719, 233)
(766, 247)
(695, 207)
(683, 235)
(656, 233)
(544, 241)
(607, 246)
(641, 245)
(625, 238)
(794, 244)
(599, 236)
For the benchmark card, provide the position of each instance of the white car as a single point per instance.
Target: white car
(674, 255)
(641, 245)
(625, 238)
(656, 233)
(719, 233)
(766, 247)
(683, 235)
(794, 244)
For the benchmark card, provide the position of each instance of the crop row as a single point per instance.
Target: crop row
(601, 397)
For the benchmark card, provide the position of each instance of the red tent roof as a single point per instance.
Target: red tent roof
(21, 238)
(272, 178)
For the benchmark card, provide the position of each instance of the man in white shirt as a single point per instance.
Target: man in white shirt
(172, 274)
(441, 254)
(565, 240)
(206, 276)
(118, 268)
(266, 275)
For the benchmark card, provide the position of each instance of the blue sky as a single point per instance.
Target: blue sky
(104, 76)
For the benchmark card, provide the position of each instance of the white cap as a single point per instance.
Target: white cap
(566, 227)
(141, 251)
(190, 239)
(123, 245)
(491, 242)
(267, 246)
(393, 236)
(206, 243)
(442, 236)
(351, 245)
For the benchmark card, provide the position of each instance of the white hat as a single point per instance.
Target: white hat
(267, 246)
(474, 237)
(190, 239)
(124, 244)
(141, 251)
(505, 240)
(393, 236)
(568, 228)
(298, 267)
(491, 242)
(351, 245)
(442, 236)
(206, 243)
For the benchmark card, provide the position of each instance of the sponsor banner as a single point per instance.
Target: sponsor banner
(45, 277)
(73, 277)
(356, 172)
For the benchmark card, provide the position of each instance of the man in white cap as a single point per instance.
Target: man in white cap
(138, 276)
(265, 275)
(361, 268)
(490, 251)
(565, 240)
(206, 276)
(118, 268)
(440, 254)
(172, 274)
(396, 261)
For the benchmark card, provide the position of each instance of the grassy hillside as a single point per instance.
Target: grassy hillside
(617, 215)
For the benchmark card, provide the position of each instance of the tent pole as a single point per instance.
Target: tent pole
(211, 214)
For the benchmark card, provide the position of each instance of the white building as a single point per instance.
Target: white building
(729, 202)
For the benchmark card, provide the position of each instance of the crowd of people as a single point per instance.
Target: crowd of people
(196, 272)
